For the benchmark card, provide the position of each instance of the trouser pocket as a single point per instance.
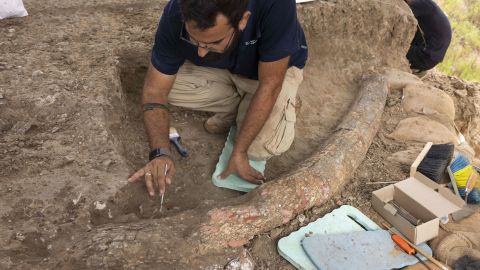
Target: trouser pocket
(284, 133)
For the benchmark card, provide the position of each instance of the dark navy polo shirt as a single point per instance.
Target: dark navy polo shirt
(272, 33)
(431, 41)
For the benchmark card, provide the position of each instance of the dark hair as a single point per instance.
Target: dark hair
(204, 12)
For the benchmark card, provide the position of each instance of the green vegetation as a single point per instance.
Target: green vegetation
(463, 56)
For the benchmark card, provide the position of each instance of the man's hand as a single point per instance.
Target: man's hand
(157, 172)
(238, 164)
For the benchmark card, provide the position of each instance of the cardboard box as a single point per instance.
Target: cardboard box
(421, 197)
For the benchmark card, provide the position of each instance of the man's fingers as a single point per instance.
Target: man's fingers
(136, 175)
(170, 174)
(149, 183)
(254, 180)
(155, 177)
(257, 175)
(161, 177)
(225, 173)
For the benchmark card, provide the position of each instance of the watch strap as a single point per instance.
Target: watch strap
(158, 152)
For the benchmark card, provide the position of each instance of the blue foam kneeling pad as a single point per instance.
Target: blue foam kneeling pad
(336, 222)
(367, 250)
(233, 181)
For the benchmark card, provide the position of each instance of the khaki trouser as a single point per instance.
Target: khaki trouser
(229, 95)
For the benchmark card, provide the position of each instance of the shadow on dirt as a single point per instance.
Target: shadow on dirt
(191, 185)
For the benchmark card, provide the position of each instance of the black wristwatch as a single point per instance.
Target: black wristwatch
(158, 152)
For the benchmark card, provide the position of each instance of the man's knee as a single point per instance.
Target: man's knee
(205, 89)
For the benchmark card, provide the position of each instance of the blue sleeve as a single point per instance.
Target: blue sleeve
(166, 56)
(278, 29)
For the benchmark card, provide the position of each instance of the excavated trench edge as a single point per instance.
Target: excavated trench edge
(234, 223)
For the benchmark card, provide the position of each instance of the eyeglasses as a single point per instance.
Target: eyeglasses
(206, 47)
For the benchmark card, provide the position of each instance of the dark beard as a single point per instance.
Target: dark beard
(214, 56)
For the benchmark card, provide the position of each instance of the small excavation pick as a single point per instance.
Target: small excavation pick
(161, 200)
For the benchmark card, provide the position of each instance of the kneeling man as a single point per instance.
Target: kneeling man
(242, 60)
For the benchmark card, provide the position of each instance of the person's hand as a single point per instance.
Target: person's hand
(157, 172)
(238, 164)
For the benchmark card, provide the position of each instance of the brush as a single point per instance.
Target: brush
(473, 196)
(405, 214)
(433, 161)
(463, 177)
(472, 180)
(175, 139)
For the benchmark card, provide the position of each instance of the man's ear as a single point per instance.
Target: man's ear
(243, 22)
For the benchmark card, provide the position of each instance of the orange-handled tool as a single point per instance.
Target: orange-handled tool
(419, 250)
(403, 245)
(407, 248)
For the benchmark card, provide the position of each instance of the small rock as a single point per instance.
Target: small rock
(55, 129)
(102, 247)
(11, 30)
(294, 223)
(99, 205)
(69, 159)
(276, 232)
(461, 93)
(37, 73)
(107, 163)
(20, 236)
(1, 96)
(301, 218)
(77, 200)
(316, 211)
(245, 262)
(471, 87)
(458, 85)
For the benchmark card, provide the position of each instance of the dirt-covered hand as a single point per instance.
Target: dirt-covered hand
(158, 172)
(239, 165)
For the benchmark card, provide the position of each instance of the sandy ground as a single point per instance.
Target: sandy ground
(71, 126)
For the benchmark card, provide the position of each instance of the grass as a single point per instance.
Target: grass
(463, 56)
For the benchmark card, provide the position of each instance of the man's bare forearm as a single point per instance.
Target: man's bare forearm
(156, 89)
(156, 124)
(271, 77)
(257, 114)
